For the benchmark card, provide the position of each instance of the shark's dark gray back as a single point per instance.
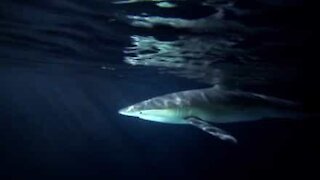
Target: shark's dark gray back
(215, 96)
(245, 98)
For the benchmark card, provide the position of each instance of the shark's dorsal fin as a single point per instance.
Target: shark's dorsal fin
(165, 4)
(218, 87)
(217, 132)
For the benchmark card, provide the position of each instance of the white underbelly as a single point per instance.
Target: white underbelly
(160, 119)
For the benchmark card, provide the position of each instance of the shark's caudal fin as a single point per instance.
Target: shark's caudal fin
(217, 132)
(277, 100)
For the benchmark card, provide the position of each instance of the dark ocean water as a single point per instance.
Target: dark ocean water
(68, 66)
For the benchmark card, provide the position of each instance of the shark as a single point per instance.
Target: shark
(204, 108)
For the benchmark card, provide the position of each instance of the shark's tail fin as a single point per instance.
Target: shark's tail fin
(277, 100)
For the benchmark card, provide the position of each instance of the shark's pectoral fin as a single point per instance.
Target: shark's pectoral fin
(223, 135)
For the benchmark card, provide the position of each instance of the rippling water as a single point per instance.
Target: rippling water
(67, 66)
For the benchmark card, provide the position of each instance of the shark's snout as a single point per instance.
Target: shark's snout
(123, 111)
(127, 111)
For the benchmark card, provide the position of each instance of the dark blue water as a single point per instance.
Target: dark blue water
(68, 66)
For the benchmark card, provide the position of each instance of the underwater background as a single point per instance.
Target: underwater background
(68, 66)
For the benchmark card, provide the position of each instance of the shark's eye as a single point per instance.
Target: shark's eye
(140, 112)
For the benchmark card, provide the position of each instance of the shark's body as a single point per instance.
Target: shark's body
(213, 105)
